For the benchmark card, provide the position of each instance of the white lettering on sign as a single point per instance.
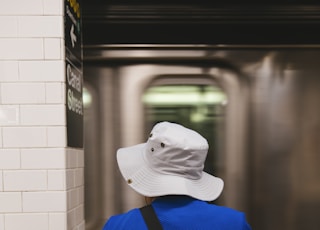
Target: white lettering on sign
(73, 36)
(74, 80)
(71, 16)
(74, 104)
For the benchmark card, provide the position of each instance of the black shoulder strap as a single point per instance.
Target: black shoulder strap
(150, 218)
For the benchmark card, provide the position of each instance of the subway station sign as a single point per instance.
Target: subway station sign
(74, 73)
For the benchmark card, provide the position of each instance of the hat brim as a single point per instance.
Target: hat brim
(148, 182)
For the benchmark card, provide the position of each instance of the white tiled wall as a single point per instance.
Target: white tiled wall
(46, 158)
(75, 188)
(1, 222)
(9, 70)
(9, 159)
(41, 180)
(1, 185)
(28, 137)
(23, 93)
(21, 49)
(36, 221)
(10, 202)
(22, 180)
(43, 71)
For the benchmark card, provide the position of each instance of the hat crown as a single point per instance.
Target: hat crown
(176, 150)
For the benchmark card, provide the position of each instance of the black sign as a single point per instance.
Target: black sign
(74, 73)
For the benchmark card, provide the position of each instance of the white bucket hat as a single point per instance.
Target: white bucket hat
(171, 162)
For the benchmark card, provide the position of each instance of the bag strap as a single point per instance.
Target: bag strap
(150, 218)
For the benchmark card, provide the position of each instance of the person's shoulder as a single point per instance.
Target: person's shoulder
(225, 209)
(231, 217)
(129, 220)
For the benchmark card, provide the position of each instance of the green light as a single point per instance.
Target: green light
(184, 95)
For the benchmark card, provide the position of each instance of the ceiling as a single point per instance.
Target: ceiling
(200, 22)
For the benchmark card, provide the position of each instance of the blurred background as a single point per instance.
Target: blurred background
(246, 76)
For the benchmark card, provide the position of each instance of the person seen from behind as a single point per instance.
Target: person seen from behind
(168, 171)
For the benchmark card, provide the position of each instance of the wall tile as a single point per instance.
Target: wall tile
(63, 50)
(79, 177)
(80, 159)
(79, 214)
(72, 155)
(44, 201)
(52, 48)
(57, 136)
(21, 48)
(23, 93)
(40, 26)
(31, 180)
(18, 7)
(1, 222)
(9, 71)
(71, 219)
(10, 202)
(78, 194)
(1, 144)
(1, 182)
(9, 158)
(64, 88)
(42, 115)
(56, 179)
(76, 218)
(75, 158)
(82, 226)
(54, 93)
(9, 26)
(41, 158)
(57, 221)
(24, 137)
(42, 71)
(81, 194)
(53, 7)
(36, 221)
(9, 115)
(70, 181)
(72, 199)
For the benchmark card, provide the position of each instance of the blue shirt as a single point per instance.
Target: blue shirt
(182, 213)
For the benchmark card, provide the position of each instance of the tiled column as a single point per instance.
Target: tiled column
(41, 179)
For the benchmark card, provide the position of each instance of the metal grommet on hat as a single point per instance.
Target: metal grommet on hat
(129, 181)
